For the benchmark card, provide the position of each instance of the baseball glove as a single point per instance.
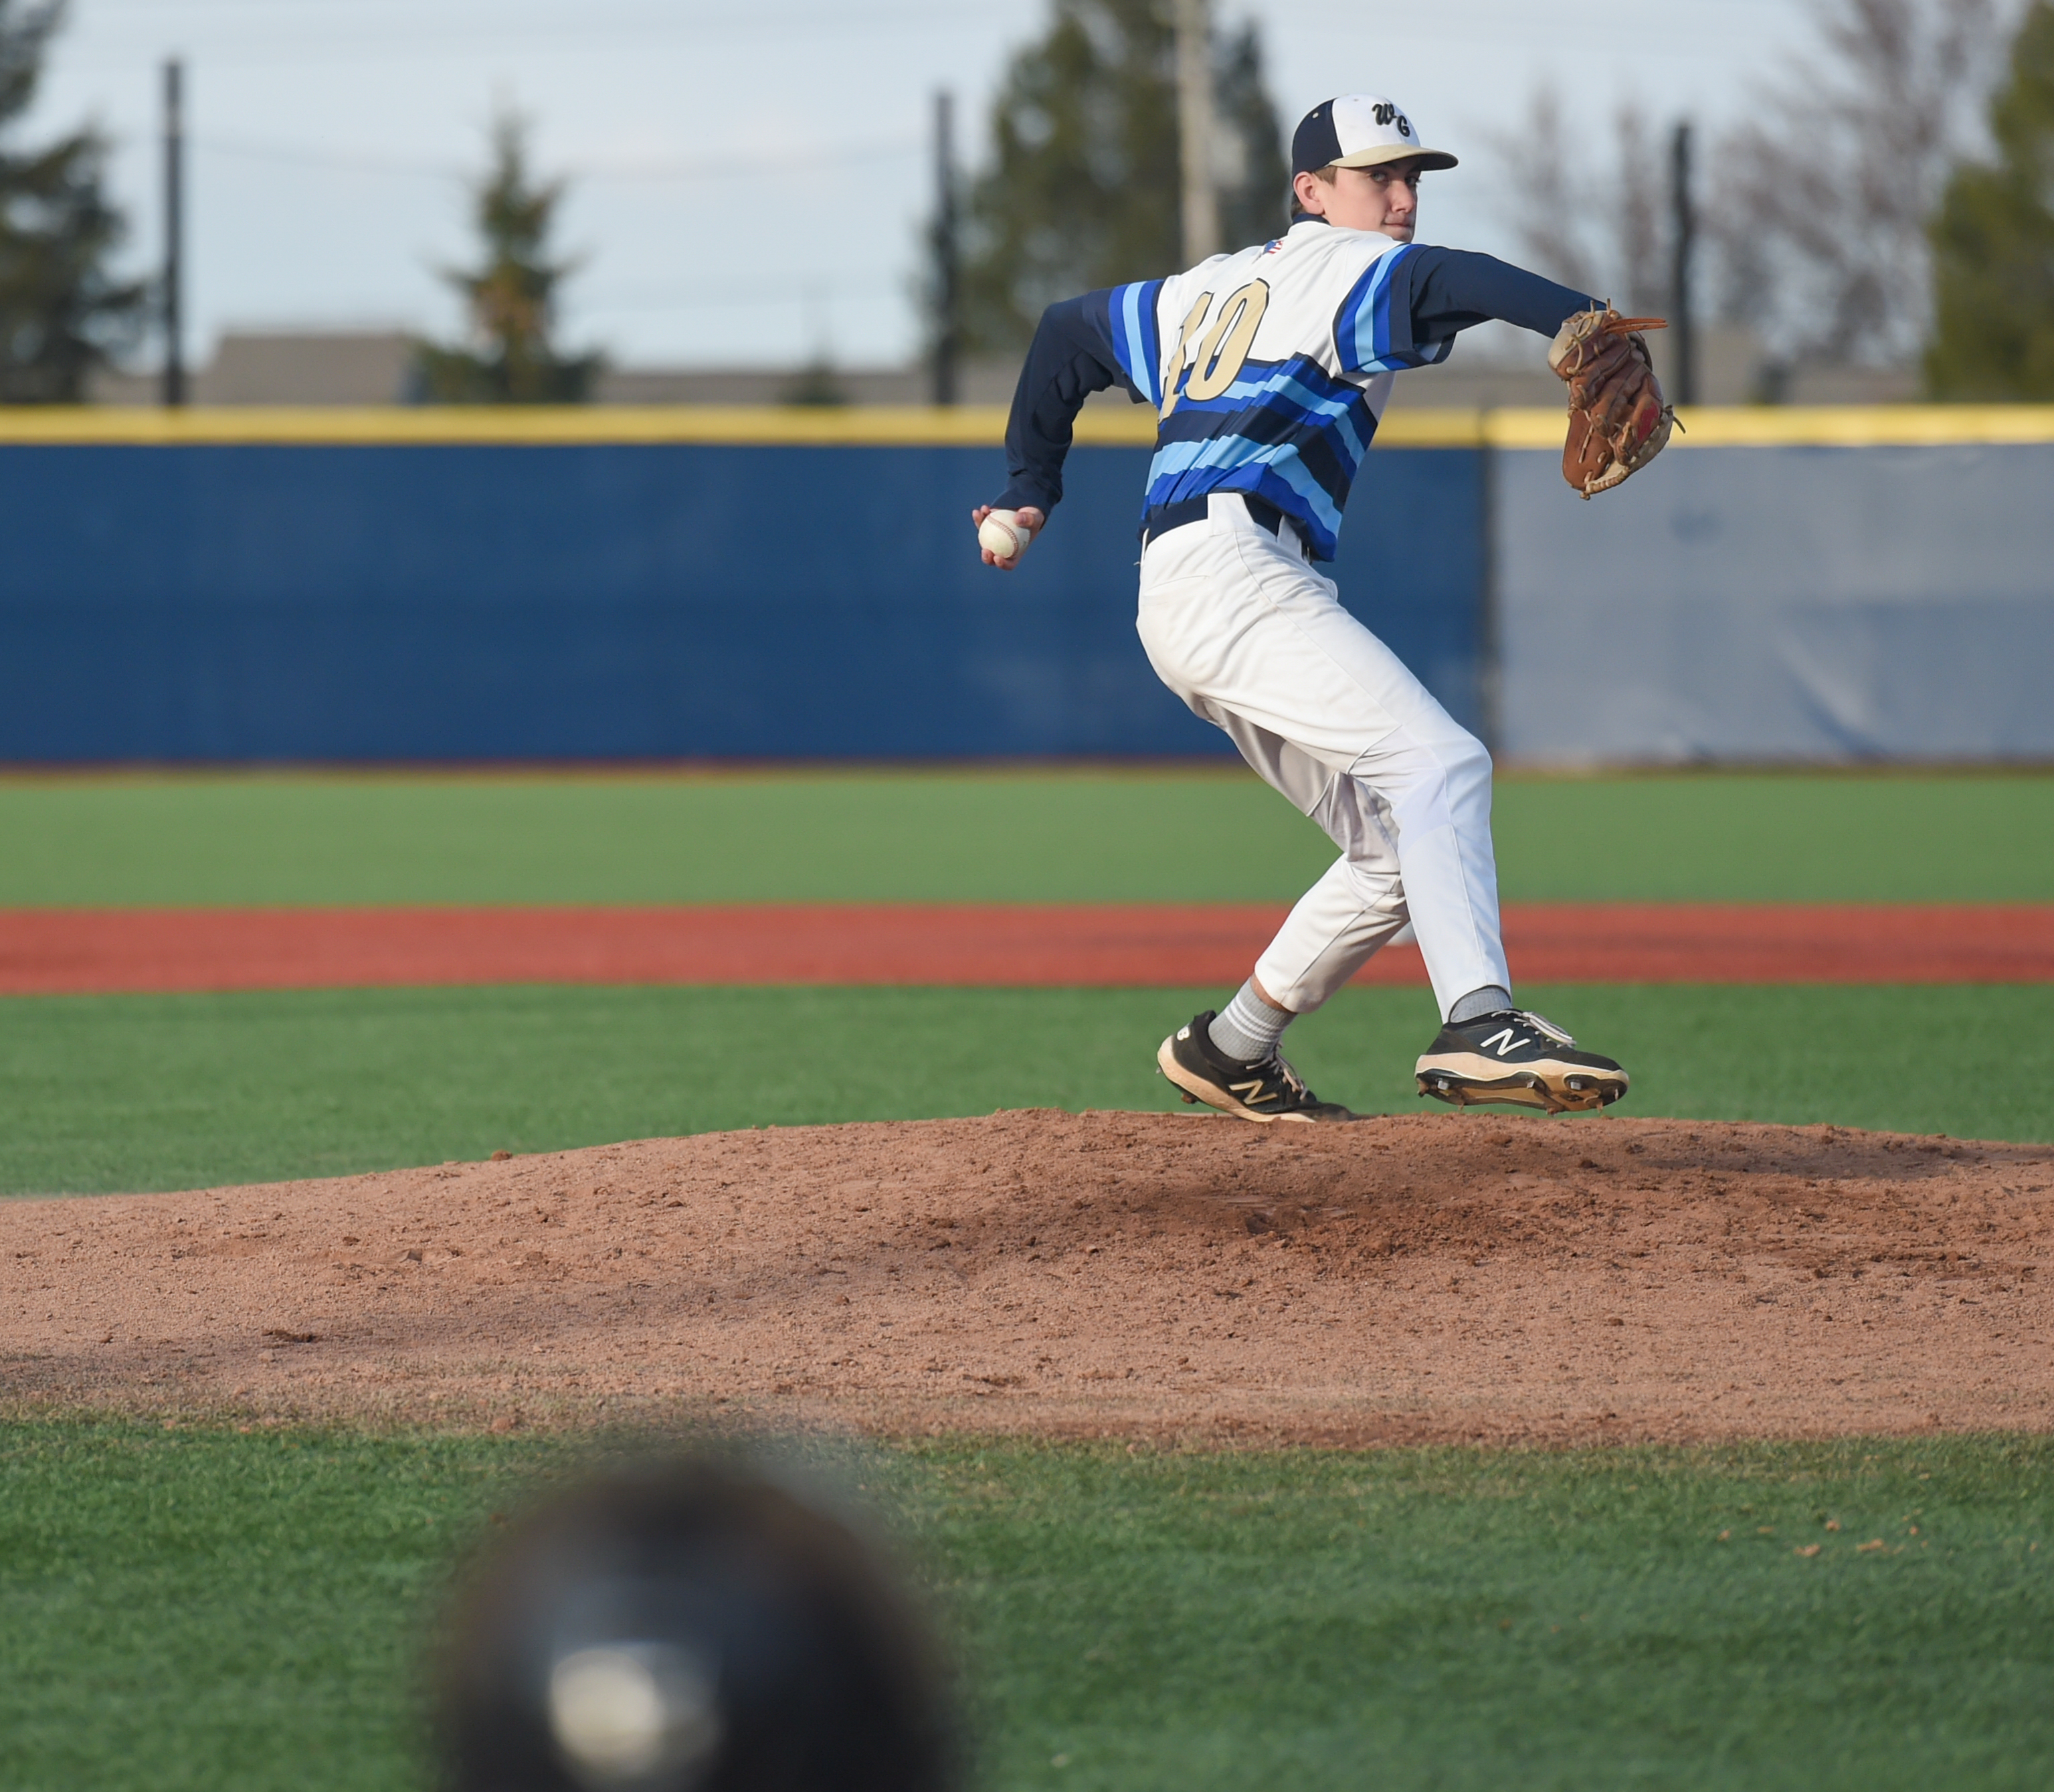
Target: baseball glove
(1617, 421)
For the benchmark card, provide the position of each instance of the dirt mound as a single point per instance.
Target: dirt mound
(1424, 1277)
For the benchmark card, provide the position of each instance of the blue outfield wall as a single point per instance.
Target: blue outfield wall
(295, 602)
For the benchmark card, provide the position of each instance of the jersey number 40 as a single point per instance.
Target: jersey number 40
(1216, 364)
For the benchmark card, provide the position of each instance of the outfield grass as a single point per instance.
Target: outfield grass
(1201, 834)
(108, 1092)
(221, 1611)
(210, 1610)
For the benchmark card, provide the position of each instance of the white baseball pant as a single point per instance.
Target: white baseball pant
(1238, 623)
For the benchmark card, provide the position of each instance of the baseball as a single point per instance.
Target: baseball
(1004, 534)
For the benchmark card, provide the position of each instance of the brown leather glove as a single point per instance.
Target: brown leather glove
(1618, 422)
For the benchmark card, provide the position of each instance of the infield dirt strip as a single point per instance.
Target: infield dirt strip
(1102, 946)
(1452, 1277)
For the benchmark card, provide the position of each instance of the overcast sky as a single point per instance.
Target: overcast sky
(748, 176)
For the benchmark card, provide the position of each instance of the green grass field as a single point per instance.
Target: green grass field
(207, 1610)
(143, 1092)
(228, 1611)
(1203, 835)
(138, 1093)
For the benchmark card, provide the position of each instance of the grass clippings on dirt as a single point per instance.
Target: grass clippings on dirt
(206, 1610)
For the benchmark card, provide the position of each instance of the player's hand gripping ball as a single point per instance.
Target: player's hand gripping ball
(1005, 535)
(1618, 419)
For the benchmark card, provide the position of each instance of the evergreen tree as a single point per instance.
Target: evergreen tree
(510, 296)
(61, 312)
(1082, 190)
(1994, 243)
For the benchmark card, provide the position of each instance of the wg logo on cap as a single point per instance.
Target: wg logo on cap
(1386, 113)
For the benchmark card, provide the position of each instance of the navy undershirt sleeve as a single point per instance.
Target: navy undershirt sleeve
(1071, 357)
(1446, 290)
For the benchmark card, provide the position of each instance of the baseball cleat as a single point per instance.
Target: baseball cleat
(1263, 1092)
(1520, 1060)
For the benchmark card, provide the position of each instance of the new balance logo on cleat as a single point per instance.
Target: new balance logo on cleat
(1518, 1059)
(1266, 1094)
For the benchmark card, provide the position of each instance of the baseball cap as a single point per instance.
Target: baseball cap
(691, 1624)
(1358, 131)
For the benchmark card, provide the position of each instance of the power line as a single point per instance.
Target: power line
(795, 288)
(490, 37)
(497, 14)
(728, 167)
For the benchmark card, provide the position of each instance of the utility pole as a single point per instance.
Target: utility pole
(1194, 129)
(1683, 234)
(174, 274)
(948, 300)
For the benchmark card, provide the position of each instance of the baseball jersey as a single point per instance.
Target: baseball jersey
(1268, 369)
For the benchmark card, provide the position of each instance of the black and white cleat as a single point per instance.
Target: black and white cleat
(1518, 1059)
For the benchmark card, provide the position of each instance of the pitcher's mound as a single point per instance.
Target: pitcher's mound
(1427, 1276)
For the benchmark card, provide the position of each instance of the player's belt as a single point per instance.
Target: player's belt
(1261, 511)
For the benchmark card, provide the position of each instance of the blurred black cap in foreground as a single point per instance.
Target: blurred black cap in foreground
(690, 1626)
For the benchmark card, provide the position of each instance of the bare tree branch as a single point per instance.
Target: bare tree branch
(1602, 230)
(1815, 203)
(1546, 196)
(1818, 199)
(1639, 227)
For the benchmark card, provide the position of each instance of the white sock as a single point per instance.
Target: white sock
(1250, 1028)
(1489, 1000)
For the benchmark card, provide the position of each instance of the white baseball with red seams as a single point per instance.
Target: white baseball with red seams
(1003, 533)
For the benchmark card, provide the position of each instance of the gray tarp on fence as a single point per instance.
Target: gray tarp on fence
(1806, 604)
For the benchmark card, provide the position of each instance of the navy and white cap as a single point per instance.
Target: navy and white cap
(1359, 131)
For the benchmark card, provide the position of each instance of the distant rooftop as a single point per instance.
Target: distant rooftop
(375, 367)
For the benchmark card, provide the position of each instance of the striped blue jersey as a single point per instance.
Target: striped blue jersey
(1268, 369)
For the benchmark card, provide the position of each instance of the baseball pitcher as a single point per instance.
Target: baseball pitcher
(1270, 369)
